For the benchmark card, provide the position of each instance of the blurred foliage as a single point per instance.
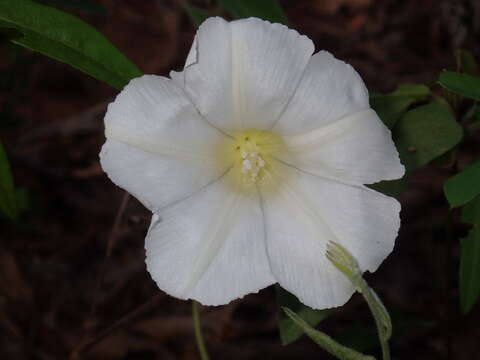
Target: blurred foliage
(462, 84)
(421, 134)
(431, 132)
(463, 187)
(390, 107)
(67, 39)
(425, 133)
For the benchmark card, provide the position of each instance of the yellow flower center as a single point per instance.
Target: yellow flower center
(252, 154)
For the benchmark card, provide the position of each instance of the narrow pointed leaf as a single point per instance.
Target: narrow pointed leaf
(470, 270)
(289, 331)
(66, 38)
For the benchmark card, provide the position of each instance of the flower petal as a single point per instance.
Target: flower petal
(357, 148)
(210, 247)
(154, 114)
(158, 147)
(242, 74)
(329, 90)
(305, 213)
(155, 180)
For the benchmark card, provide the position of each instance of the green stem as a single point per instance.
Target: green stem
(380, 314)
(385, 350)
(348, 265)
(198, 331)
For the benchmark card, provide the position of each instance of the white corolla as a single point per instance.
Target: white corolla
(251, 160)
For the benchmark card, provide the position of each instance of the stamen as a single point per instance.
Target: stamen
(252, 164)
(251, 154)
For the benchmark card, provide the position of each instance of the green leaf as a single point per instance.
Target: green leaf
(393, 188)
(289, 331)
(390, 107)
(470, 270)
(196, 14)
(68, 39)
(464, 186)
(471, 212)
(264, 9)
(84, 5)
(325, 341)
(462, 84)
(425, 133)
(8, 196)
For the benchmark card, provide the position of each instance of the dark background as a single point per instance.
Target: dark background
(67, 273)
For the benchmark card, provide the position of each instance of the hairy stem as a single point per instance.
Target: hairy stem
(348, 265)
(381, 316)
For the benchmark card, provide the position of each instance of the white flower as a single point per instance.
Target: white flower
(251, 160)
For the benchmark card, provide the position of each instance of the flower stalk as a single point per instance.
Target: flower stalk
(197, 326)
(348, 265)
